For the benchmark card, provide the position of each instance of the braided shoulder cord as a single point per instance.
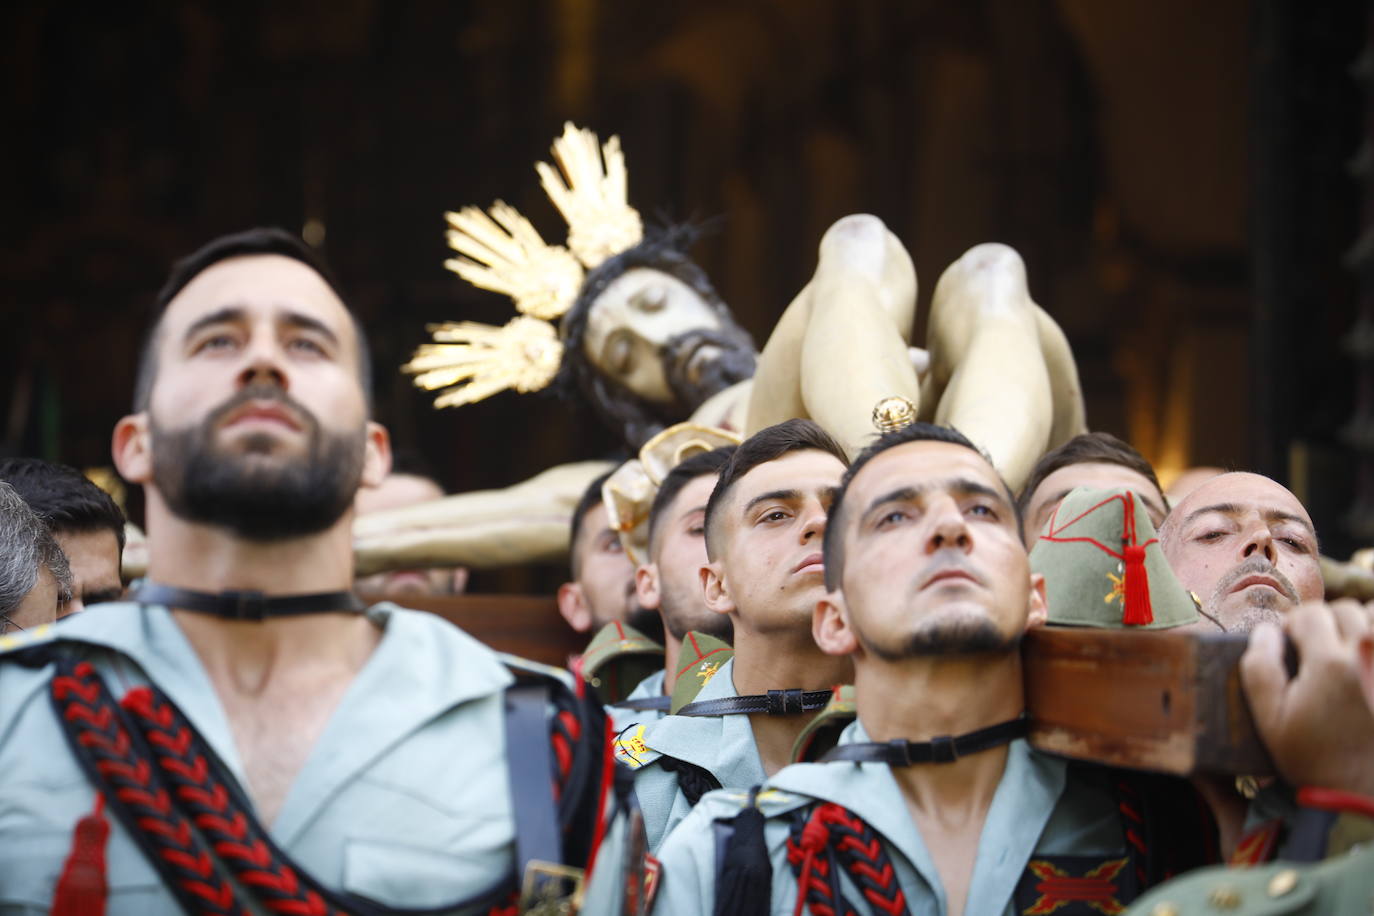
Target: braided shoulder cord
(692, 780)
(111, 754)
(833, 838)
(199, 786)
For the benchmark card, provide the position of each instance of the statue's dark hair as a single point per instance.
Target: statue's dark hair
(578, 379)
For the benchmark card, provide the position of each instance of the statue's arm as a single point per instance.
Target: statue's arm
(524, 523)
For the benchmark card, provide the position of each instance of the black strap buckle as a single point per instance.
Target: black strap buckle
(785, 702)
(942, 749)
(249, 604)
(901, 752)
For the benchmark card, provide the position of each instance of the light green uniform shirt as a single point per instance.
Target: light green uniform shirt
(621, 719)
(1031, 814)
(721, 745)
(404, 798)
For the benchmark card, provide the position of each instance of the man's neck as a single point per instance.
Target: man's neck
(672, 651)
(924, 698)
(244, 656)
(772, 662)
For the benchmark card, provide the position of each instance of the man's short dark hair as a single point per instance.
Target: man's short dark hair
(764, 446)
(591, 498)
(62, 497)
(702, 464)
(833, 547)
(1089, 448)
(240, 244)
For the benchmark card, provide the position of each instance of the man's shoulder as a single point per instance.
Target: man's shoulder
(1342, 885)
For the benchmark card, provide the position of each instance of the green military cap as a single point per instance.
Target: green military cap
(823, 732)
(1335, 886)
(701, 657)
(618, 658)
(1103, 565)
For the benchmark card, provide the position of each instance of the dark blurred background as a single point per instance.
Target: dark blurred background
(1184, 181)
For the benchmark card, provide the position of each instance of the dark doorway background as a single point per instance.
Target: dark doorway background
(1176, 175)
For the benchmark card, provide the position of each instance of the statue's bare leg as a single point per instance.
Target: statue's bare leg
(524, 523)
(1065, 391)
(842, 344)
(986, 359)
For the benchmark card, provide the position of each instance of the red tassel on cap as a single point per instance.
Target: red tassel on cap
(82, 888)
(1137, 599)
(1135, 603)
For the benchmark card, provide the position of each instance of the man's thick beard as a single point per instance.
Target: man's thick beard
(948, 639)
(735, 363)
(256, 499)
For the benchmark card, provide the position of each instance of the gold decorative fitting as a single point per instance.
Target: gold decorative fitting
(1283, 882)
(474, 361)
(893, 413)
(1164, 909)
(501, 251)
(1224, 897)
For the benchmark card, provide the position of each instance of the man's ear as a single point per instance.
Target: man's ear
(572, 604)
(1039, 611)
(647, 589)
(131, 448)
(376, 455)
(830, 626)
(714, 590)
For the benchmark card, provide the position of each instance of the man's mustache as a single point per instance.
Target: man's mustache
(261, 393)
(1257, 565)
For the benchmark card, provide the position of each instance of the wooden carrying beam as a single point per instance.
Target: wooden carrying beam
(1170, 702)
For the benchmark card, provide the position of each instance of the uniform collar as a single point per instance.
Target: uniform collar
(722, 745)
(1029, 789)
(421, 659)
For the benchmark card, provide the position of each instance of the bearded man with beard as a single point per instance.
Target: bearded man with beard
(243, 735)
(933, 802)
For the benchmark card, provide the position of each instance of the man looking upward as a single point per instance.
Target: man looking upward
(934, 802)
(320, 752)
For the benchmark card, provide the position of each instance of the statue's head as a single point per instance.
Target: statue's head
(648, 340)
(643, 336)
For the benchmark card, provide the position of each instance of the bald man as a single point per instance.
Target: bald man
(1245, 546)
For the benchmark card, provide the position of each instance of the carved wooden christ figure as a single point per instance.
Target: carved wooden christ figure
(645, 339)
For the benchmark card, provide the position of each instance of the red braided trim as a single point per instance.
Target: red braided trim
(241, 845)
(1133, 823)
(89, 713)
(836, 836)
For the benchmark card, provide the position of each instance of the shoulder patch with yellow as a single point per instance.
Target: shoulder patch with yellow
(701, 658)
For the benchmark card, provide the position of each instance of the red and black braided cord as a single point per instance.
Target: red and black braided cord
(830, 838)
(177, 800)
(111, 753)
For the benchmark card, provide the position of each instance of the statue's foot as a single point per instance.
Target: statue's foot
(860, 246)
(990, 279)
